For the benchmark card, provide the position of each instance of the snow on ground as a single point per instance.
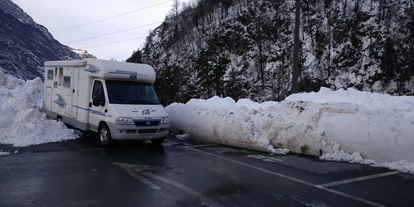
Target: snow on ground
(21, 121)
(182, 136)
(344, 125)
(4, 153)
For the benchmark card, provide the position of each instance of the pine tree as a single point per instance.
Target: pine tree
(136, 57)
(212, 65)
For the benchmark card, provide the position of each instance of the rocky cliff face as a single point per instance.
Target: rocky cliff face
(25, 45)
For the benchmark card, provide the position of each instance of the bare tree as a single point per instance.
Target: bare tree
(295, 70)
(175, 8)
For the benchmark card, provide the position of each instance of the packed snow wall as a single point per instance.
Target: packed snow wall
(343, 125)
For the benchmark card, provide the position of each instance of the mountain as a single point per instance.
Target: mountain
(244, 48)
(25, 45)
(83, 54)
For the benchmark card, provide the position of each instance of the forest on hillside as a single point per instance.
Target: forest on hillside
(244, 48)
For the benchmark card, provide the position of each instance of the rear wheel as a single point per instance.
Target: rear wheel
(104, 135)
(157, 141)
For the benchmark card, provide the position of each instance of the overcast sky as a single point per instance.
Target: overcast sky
(61, 14)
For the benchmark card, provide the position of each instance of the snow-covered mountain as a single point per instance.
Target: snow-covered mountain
(24, 44)
(83, 54)
(244, 48)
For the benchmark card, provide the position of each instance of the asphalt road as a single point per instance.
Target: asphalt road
(187, 173)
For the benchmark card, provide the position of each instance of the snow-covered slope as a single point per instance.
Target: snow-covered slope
(21, 121)
(243, 49)
(25, 45)
(339, 125)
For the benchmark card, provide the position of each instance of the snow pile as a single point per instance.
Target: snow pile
(344, 125)
(21, 122)
(182, 136)
(3, 153)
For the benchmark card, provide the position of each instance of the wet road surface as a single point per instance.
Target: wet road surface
(189, 173)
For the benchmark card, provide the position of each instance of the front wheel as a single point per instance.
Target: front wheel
(157, 141)
(104, 135)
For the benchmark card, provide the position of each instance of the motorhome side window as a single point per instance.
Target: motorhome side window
(60, 76)
(66, 81)
(50, 74)
(98, 91)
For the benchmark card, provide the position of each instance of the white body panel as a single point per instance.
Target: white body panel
(68, 95)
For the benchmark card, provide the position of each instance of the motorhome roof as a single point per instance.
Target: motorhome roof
(110, 70)
(66, 63)
(113, 70)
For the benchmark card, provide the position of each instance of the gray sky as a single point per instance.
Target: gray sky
(61, 14)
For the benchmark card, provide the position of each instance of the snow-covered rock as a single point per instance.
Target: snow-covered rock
(83, 54)
(344, 125)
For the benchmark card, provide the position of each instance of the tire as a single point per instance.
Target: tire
(157, 141)
(104, 135)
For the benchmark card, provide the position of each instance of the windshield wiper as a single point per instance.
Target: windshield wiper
(146, 101)
(129, 101)
(124, 101)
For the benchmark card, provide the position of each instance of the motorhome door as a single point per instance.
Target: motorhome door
(75, 93)
(96, 105)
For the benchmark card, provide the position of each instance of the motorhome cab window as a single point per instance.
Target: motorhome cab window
(98, 91)
(128, 92)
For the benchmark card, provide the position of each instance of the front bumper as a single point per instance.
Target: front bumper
(132, 132)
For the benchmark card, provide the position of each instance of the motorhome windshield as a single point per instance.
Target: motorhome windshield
(128, 92)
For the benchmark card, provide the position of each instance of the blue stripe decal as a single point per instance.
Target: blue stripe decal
(60, 103)
(63, 104)
(80, 108)
(124, 72)
(98, 113)
(92, 70)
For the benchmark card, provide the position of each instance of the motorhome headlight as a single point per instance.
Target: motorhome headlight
(124, 120)
(165, 120)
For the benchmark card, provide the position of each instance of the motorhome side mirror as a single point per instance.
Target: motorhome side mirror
(95, 102)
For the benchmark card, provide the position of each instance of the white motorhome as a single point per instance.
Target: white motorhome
(114, 99)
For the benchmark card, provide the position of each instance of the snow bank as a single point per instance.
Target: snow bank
(344, 125)
(21, 122)
(4, 153)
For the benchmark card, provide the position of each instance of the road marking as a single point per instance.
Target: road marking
(190, 145)
(203, 145)
(264, 158)
(290, 178)
(138, 170)
(172, 142)
(130, 170)
(145, 181)
(358, 179)
(187, 189)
